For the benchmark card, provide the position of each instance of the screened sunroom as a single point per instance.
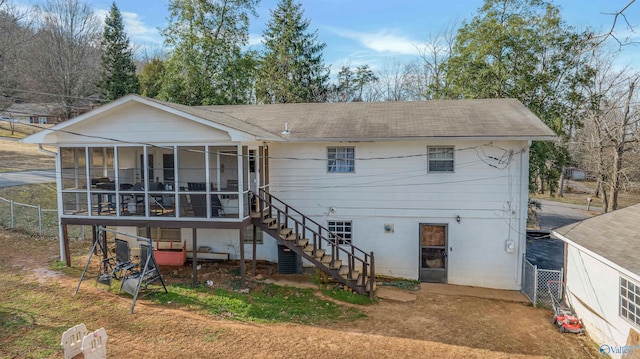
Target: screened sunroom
(181, 182)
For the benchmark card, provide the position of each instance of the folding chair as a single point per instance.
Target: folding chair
(149, 273)
(116, 267)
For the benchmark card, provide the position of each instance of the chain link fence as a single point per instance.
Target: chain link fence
(538, 285)
(35, 220)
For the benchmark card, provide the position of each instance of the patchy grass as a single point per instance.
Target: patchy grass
(268, 304)
(347, 296)
(18, 156)
(21, 130)
(406, 284)
(578, 192)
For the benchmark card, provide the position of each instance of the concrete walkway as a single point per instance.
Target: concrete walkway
(8, 179)
(451, 289)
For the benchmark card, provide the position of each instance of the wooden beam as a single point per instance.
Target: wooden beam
(242, 269)
(255, 235)
(105, 255)
(67, 254)
(194, 239)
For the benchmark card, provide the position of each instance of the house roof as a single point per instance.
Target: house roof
(614, 236)
(480, 118)
(35, 109)
(356, 121)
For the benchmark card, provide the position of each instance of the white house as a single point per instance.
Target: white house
(603, 278)
(436, 190)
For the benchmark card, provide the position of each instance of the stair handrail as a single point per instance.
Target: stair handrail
(336, 239)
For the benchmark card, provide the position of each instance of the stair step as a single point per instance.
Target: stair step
(325, 259)
(344, 270)
(268, 220)
(292, 237)
(353, 275)
(302, 242)
(308, 248)
(275, 226)
(285, 232)
(337, 264)
(318, 253)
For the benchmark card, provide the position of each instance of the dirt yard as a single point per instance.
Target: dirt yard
(433, 326)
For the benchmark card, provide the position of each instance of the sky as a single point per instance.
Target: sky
(378, 32)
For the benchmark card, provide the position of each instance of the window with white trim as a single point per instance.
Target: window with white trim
(341, 229)
(42, 120)
(440, 159)
(630, 301)
(248, 235)
(341, 159)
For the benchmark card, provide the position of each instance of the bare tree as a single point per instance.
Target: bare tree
(394, 82)
(16, 30)
(610, 133)
(68, 53)
(430, 71)
(620, 14)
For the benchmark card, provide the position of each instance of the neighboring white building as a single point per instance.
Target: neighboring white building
(602, 269)
(436, 189)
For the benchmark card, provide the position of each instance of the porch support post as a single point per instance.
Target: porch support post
(67, 254)
(253, 264)
(105, 255)
(242, 269)
(194, 244)
(94, 238)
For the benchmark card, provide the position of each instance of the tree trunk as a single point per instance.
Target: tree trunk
(615, 179)
(605, 199)
(561, 183)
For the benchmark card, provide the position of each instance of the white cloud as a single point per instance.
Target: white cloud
(135, 27)
(383, 41)
(255, 39)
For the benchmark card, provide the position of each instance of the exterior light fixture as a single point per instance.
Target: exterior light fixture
(458, 219)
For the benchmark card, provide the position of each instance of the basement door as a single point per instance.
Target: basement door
(433, 253)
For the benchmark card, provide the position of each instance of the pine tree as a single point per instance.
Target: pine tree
(291, 68)
(118, 71)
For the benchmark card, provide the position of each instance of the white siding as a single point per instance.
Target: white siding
(399, 191)
(593, 289)
(138, 123)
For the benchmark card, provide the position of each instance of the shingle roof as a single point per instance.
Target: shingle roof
(35, 109)
(485, 118)
(614, 235)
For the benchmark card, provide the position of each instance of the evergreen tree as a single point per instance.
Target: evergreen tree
(207, 65)
(291, 69)
(118, 71)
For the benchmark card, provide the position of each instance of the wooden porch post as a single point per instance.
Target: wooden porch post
(94, 238)
(194, 243)
(242, 269)
(253, 264)
(105, 255)
(67, 255)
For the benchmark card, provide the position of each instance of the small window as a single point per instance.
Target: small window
(341, 159)
(629, 302)
(341, 229)
(248, 235)
(42, 120)
(440, 159)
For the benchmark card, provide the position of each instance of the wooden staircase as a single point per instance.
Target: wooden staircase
(329, 252)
